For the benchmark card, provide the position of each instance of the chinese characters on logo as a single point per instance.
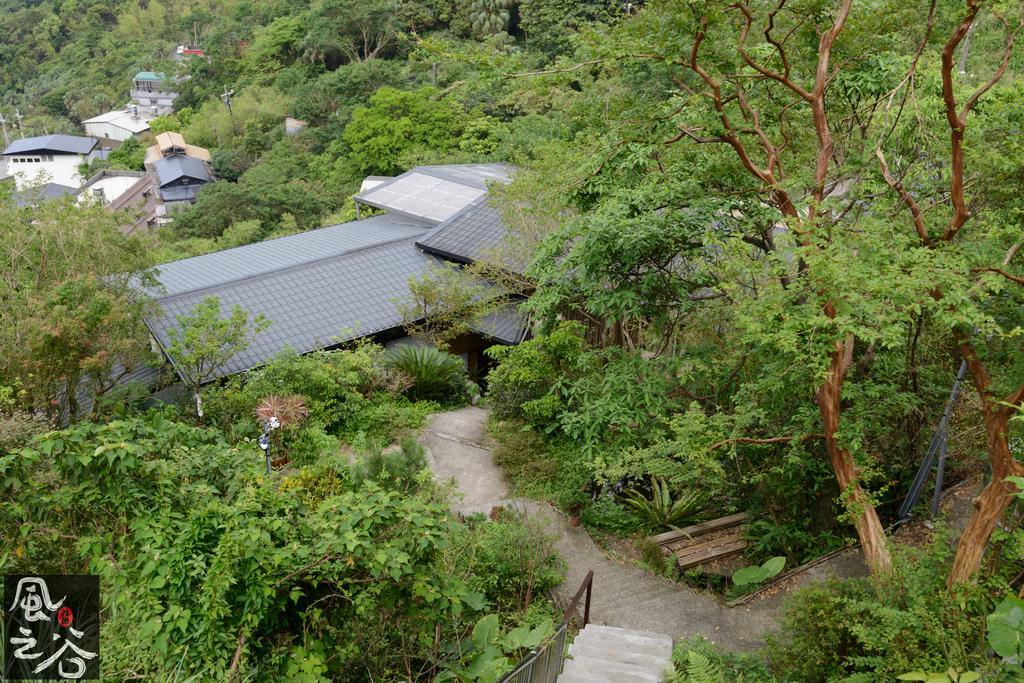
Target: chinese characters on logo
(49, 637)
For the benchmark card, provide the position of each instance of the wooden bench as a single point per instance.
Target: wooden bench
(692, 547)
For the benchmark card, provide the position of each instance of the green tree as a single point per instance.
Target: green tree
(489, 16)
(336, 93)
(397, 123)
(70, 318)
(443, 302)
(549, 24)
(129, 155)
(205, 341)
(351, 30)
(163, 124)
(828, 295)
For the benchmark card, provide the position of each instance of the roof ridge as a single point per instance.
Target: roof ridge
(282, 269)
(279, 237)
(473, 205)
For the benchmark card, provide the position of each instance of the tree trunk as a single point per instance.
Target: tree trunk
(865, 519)
(990, 505)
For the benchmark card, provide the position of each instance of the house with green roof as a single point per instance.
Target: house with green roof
(154, 93)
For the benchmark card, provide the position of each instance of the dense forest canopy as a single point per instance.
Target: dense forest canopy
(762, 237)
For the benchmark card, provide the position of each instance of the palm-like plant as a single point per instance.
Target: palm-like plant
(661, 510)
(435, 375)
(489, 16)
(289, 410)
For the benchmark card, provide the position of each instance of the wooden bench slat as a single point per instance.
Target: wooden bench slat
(699, 547)
(712, 554)
(686, 546)
(703, 527)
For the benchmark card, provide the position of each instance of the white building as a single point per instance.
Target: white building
(48, 159)
(109, 185)
(154, 93)
(118, 125)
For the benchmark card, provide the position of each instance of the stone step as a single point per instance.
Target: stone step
(636, 645)
(632, 635)
(620, 673)
(616, 653)
(592, 677)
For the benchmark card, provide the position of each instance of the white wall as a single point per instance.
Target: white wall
(112, 186)
(107, 130)
(36, 169)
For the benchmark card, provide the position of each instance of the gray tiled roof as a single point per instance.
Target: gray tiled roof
(324, 286)
(434, 193)
(43, 193)
(211, 270)
(60, 144)
(507, 325)
(471, 235)
(311, 305)
(169, 169)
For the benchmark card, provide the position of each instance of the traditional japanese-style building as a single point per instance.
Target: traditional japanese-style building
(329, 286)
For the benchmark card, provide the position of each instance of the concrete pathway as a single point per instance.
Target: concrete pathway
(623, 595)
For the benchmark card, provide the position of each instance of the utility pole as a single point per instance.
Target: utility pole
(226, 96)
(3, 124)
(195, 34)
(17, 115)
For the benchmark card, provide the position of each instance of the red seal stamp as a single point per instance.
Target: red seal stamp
(65, 617)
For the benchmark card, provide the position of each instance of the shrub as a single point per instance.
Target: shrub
(522, 386)
(513, 560)
(520, 452)
(317, 483)
(604, 513)
(699, 661)
(395, 469)
(306, 445)
(334, 385)
(347, 393)
(383, 418)
(540, 468)
(859, 630)
(436, 375)
(620, 399)
(654, 557)
(17, 426)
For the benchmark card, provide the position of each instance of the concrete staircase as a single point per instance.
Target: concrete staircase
(606, 654)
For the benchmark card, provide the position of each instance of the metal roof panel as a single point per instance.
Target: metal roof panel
(61, 144)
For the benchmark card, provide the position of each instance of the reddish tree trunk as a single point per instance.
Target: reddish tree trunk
(865, 519)
(990, 505)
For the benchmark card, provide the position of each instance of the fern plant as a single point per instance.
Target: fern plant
(700, 669)
(435, 375)
(661, 510)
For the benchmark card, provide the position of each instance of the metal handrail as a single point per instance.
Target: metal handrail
(543, 664)
(588, 585)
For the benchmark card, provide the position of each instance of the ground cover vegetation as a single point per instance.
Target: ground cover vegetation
(213, 568)
(761, 236)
